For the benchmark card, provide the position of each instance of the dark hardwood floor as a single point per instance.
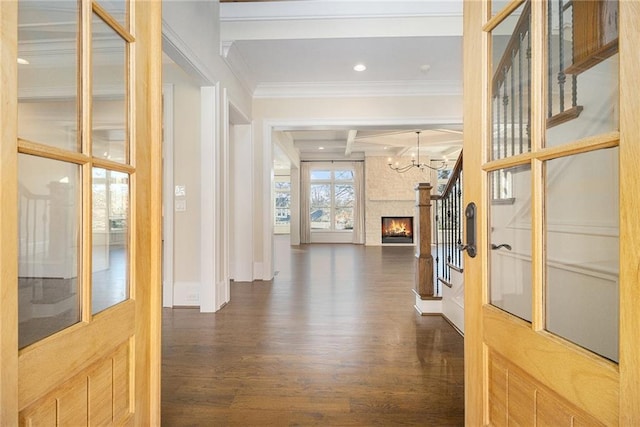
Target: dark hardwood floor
(334, 340)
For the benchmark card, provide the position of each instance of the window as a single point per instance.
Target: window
(332, 197)
(282, 200)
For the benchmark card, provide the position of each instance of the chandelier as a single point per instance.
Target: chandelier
(415, 163)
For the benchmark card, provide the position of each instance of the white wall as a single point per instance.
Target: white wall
(191, 38)
(186, 173)
(242, 205)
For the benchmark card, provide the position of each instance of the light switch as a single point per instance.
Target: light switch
(181, 191)
(181, 205)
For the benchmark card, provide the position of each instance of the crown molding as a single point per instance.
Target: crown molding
(358, 89)
(182, 54)
(336, 9)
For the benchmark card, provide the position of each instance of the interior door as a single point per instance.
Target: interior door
(83, 167)
(550, 144)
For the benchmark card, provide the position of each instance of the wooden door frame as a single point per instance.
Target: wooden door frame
(146, 122)
(475, 110)
(476, 113)
(8, 217)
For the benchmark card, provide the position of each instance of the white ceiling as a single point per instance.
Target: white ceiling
(311, 46)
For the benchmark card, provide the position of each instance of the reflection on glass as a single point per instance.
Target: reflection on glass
(511, 84)
(582, 235)
(498, 5)
(110, 125)
(47, 73)
(49, 213)
(510, 239)
(110, 223)
(320, 206)
(117, 9)
(583, 87)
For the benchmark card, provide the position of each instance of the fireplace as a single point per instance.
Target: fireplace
(397, 229)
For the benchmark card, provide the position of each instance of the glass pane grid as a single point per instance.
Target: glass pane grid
(332, 198)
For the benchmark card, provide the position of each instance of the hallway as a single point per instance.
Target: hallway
(334, 340)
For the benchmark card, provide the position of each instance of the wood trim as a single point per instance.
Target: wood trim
(565, 116)
(508, 162)
(538, 131)
(531, 348)
(146, 238)
(502, 15)
(595, 58)
(111, 165)
(629, 208)
(591, 143)
(85, 112)
(73, 353)
(110, 21)
(475, 107)
(50, 152)
(8, 217)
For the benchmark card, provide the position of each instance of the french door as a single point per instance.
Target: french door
(551, 151)
(80, 258)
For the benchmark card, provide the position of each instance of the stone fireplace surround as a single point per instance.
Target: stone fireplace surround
(388, 193)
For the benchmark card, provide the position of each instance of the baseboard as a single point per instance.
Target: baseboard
(430, 306)
(186, 294)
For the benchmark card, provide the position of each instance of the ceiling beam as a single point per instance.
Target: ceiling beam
(350, 139)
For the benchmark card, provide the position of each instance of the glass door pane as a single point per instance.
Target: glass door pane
(110, 124)
(582, 75)
(48, 73)
(582, 241)
(110, 253)
(510, 244)
(49, 212)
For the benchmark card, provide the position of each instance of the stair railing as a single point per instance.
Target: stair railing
(511, 83)
(448, 231)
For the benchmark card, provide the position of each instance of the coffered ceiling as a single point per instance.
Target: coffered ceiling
(309, 48)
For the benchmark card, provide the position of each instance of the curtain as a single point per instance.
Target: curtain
(358, 205)
(305, 188)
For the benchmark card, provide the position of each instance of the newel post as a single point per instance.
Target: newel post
(424, 259)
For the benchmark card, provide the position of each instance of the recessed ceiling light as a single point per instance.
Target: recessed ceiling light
(359, 67)
(23, 61)
(320, 148)
(425, 68)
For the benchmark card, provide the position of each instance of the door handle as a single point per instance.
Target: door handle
(470, 226)
(502, 245)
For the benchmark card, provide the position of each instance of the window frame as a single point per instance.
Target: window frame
(332, 182)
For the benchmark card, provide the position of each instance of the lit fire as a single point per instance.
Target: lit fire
(397, 228)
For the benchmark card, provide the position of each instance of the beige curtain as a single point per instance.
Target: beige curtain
(305, 188)
(358, 206)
